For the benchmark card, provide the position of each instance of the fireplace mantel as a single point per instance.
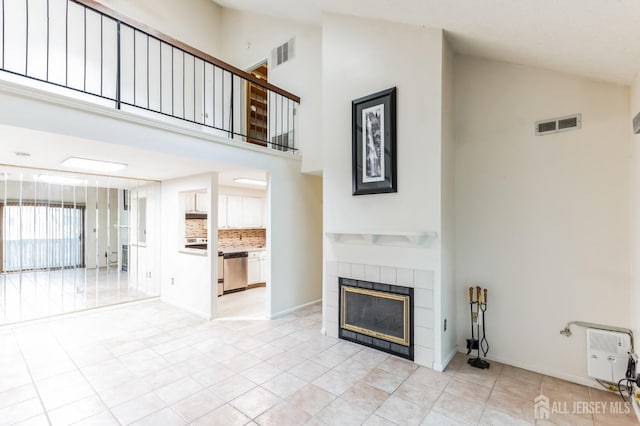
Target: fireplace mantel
(403, 239)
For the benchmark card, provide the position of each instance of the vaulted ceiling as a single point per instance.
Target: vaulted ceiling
(594, 38)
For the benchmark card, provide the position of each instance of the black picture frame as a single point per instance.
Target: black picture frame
(374, 160)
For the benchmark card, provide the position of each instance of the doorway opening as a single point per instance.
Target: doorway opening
(257, 108)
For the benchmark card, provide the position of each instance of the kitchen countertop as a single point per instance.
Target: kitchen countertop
(237, 249)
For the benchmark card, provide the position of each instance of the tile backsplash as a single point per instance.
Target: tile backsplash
(195, 228)
(232, 238)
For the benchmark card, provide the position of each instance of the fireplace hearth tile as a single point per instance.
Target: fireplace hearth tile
(423, 317)
(344, 269)
(423, 298)
(357, 271)
(332, 268)
(405, 277)
(388, 275)
(423, 279)
(372, 273)
(424, 337)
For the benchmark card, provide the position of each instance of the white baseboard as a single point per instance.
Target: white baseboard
(584, 381)
(203, 315)
(295, 308)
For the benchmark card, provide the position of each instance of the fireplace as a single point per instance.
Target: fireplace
(377, 315)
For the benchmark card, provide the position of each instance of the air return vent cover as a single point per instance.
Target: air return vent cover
(282, 53)
(560, 124)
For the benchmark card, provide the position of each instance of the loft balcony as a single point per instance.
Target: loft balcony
(81, 48)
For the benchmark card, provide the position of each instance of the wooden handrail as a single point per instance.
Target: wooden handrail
(99, 7)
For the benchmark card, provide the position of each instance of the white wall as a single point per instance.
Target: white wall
(189, 280)
(541, 221)
(634, 108)
(361, 57)
(194, 22)
(447, 296)
(247, 40)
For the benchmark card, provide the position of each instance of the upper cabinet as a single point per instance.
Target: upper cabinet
(234, 211)
(202, 202)
(196, 202)
(252, 212)
(238, 211)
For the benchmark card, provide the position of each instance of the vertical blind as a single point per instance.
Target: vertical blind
(42, 237)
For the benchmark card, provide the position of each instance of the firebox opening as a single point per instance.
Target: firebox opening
(377, 315)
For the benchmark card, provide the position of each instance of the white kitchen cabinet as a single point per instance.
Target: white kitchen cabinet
(189, 201)
(202, 201)
(252, 212)
(222, 211)
(234, 211)
(257, 267)
(264, 267)
(253, 270)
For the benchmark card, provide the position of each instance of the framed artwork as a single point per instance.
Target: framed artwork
(374, 143)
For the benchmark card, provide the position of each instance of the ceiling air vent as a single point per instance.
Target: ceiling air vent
(560, 124)
(282, 53)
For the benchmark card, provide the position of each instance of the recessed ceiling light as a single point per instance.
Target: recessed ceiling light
(60, 180)
(249, 181)
(93, 165)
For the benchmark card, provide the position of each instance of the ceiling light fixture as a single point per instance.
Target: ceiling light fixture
(249, 181)
(93, 165)
(61, 180)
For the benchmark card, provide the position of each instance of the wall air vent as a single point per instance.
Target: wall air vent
(636, 123)
(282, 53)
(560, 124)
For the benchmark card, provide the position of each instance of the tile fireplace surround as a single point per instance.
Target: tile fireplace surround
(420, 280)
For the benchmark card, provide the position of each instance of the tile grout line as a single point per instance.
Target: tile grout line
(33, 382)
(88, 382)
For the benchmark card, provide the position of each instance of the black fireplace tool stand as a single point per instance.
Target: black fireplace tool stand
(478, 308)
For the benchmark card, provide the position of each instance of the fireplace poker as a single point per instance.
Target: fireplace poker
(473, 338)
(484, 344)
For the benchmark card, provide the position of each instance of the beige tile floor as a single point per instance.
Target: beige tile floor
(38, 294)
(248, 304)
(148, 363)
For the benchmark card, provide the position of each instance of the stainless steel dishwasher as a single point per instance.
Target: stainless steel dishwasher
(235, 270)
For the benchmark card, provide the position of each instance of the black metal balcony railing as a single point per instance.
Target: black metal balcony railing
(83, 46)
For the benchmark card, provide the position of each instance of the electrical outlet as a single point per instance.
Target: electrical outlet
(445, 324)
(475, 317)
(172, 281)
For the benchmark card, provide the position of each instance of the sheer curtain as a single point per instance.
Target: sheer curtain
(42, 237)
